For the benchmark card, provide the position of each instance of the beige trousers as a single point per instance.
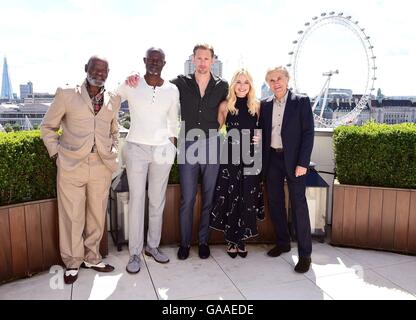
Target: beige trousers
(82, 204)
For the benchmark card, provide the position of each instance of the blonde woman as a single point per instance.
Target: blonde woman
(238, 200)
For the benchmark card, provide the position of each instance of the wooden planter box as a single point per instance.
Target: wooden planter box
(171, 226)
(374, 218)
(29, 239)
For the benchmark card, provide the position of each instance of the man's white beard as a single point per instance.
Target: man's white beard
(153, 73)
(94, 82)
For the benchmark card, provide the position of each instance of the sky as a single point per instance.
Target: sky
(48, 42)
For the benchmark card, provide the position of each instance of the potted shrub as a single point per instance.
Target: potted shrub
(374, 201)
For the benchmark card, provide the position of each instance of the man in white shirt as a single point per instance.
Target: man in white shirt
(149, 153)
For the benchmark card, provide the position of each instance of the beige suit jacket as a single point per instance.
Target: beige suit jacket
(72, 111)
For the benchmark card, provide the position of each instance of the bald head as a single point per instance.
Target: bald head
(154, 49)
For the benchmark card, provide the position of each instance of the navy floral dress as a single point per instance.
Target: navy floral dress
(238, 200)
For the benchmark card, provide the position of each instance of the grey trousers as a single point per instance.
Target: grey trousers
(152, 163)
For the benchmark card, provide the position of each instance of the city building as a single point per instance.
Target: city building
(125, 107)
(26, 90)
(39, 98)
(265, 91)
(411, 98)
(381, 109)
(392, 111)
(216, 68)
(25, 115)
(6, 85)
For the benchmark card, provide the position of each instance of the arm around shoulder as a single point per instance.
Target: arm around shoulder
(177, 81)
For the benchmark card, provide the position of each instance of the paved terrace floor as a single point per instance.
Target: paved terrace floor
(337, 273)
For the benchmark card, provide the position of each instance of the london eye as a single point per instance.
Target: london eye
(333, 49)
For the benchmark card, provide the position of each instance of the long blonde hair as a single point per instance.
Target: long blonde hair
(252, 102)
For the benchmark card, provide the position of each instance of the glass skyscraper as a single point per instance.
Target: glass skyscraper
(6, 85)
(26, 90)
(216, 68)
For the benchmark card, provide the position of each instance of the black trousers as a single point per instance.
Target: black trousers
(300, 214)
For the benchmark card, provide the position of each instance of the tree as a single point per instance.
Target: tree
(125, 117)
(8, 127)
(126, 124)
(16, 126)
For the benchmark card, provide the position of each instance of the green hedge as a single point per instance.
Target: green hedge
(376, 155)
(26, 171)
(174, 174)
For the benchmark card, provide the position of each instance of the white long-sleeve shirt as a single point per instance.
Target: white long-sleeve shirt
(154, 112)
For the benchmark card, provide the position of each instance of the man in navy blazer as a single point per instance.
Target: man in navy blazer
(288, 133)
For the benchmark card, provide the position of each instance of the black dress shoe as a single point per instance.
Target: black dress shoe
(100, 267)
(232, 250)
(204, 252)
(303, 265)
(70, 275)
(242, 251)
(183, 253)
(277, 251)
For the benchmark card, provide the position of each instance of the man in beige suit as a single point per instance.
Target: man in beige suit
(86, 156)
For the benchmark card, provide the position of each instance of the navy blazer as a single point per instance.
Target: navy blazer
(297, 132)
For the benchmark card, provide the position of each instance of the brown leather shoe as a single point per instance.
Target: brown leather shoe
(70, 275)
(277, 251)
(100, 267)
(303, 265)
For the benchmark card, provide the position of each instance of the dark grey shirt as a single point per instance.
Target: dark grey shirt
(199, 112)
